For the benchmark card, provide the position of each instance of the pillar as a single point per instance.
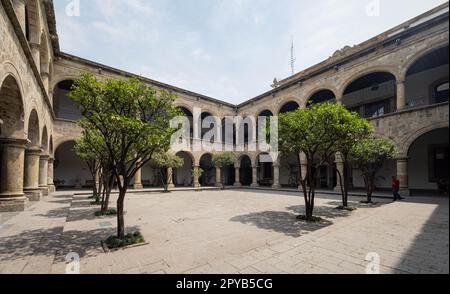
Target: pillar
(43, 173)
(255, 176)
(31, 176)
(237, 177)
(218, 177)
(50, 183)
(19, 8)
(36, 54)
(45, 79)
(138, 180)
(401, 95)
(170, 178)
(196, 182)
(402, 176)
(12, 197)
(276, 176)
(340, 167)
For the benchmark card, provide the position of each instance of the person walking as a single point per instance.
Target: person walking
(396, 189)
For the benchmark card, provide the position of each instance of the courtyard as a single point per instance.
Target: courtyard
(231, 231)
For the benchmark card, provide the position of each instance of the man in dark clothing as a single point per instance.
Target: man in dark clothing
(396, 189)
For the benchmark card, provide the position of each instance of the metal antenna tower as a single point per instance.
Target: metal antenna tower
(293, 59)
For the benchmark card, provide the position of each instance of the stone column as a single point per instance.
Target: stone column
(31, 176)
(19, 8)
(45, 79)
(255, 177)
(401, 95)
(276, 176)
(402, 176)
(36, 54)
(340, 168)
(196, 182)
(170, 178)
(218, 177)
(138, 180)
(237, 176)
(11, 180)
(43, 173)
(50, 183)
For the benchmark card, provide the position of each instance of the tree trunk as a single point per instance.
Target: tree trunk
(120, 217)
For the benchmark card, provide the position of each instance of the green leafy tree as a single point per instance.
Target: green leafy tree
(369, 155)
(314, 132)
(351, 129)
(222, 161)
(166, 162)
(134, 122)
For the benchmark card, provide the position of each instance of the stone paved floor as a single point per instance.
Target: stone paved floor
(233, 231)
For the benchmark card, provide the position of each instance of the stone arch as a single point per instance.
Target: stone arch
(417, 56)
(63, 106)
(265, 174)
(364, 72)
(288, 106)
(208, 177)
(50, 146)
(183, 176)
(32, 19)
(329, 95)
(33, 129)
(405, 144)
(45, 140)
(69, 170)
(11, 109)
(245, 165)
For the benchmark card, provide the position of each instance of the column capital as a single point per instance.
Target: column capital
(19, 143)
(34, 45)
(45, 157)
(34, 151)
(400, 82)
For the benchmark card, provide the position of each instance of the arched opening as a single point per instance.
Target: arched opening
(11, 125)
(33, 129)
(44, 140)
(428, 161)
(265, 170)
(322, 96)
(427, 79)
(208, 177)
(245, 171)
(64, 107)
(182, 176)
(69, 170)
(11, 109)
(210, 123)
(32, 23)
(289, 107)
(188, 114)
(245, 135)
(267, 114)
(372, 95)
(289, 175)
(228, 131)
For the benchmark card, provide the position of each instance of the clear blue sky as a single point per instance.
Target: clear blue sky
(228, 49)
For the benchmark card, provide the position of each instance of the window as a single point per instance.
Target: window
(441, 93)
(377, 109)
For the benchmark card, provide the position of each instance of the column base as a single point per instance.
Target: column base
(197, 185)
(218, 185)
(237, 185)
(337, 189)
(51, 188)
(404, 192)
(33, 194)
(138, 186)
(12, 203)
(254, 185)
(44, 190)
(171, 186)
(276, 186)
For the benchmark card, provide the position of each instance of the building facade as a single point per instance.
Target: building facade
(399, 80)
